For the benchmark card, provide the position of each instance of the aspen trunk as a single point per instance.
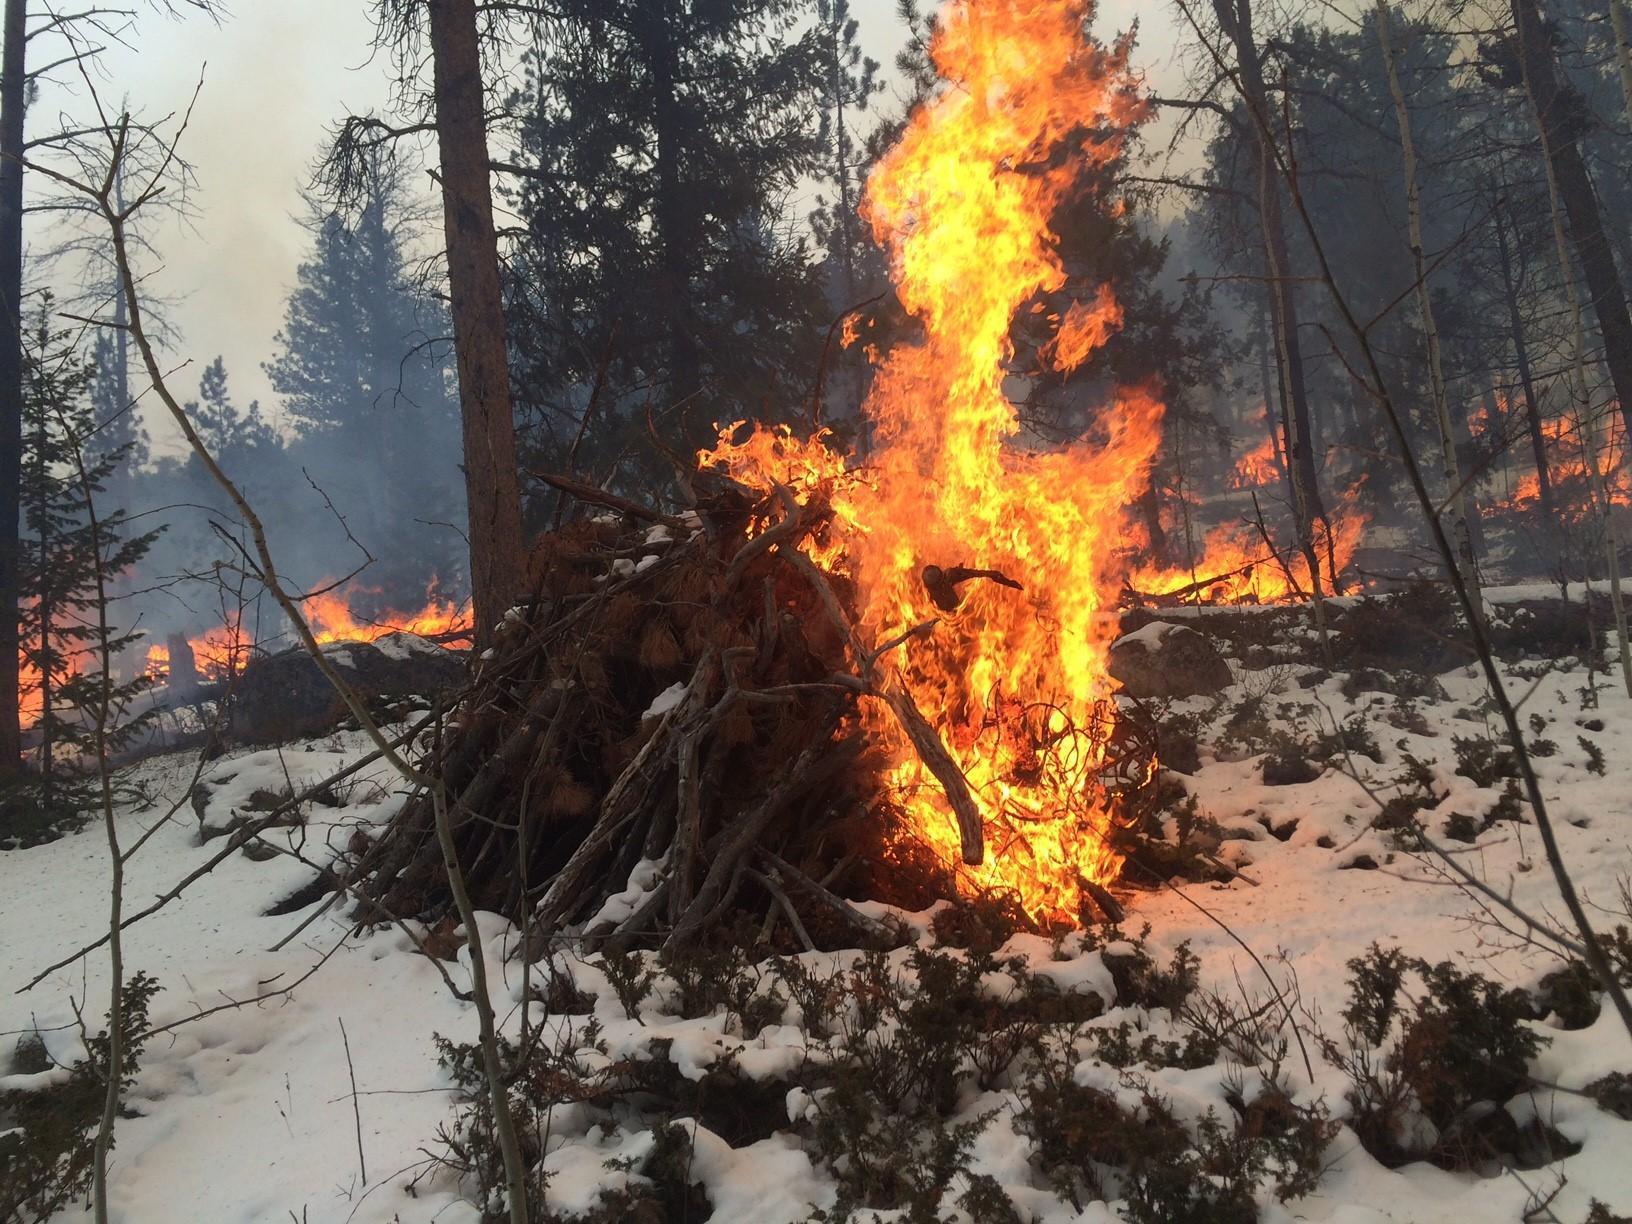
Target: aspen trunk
(1456, 507)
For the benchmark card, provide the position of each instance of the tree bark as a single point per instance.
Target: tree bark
(1552, 101)
(1623, 49)
(13, 96)
(497, 550)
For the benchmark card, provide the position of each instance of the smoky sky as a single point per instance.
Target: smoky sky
(275, 75)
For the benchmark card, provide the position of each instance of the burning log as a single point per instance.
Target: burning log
(943, 584)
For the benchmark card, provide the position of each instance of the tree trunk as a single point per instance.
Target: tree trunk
(497, 550)
(1456, 493)
(1623, 50)
(1527, 383)
(1551, 100)
(13, 94)
(1585, 420)
(1235, 18)
(671, 206)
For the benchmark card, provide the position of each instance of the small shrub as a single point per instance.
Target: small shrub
(1289, 764)
(1613, 1093)
(1595, 755)
(1484, 760)
(1463, 1042)
(47, 1135)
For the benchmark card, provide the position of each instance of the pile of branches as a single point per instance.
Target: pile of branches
(664, 740)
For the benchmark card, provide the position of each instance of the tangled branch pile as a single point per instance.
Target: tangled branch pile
(663, 739)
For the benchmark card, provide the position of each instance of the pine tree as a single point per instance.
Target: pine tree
(660, 142)
(362, 376)
(72, 547)
(849, 81)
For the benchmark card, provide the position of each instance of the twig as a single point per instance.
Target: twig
(356, 1113)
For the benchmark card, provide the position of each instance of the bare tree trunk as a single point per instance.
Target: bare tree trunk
(1235, 17)
(1552, 101)
(1451, 470)
(13, 99)
(497, 549)
(670, 208)
(1527, 383)
(1585, 417)
(1623, 50)
(1274, 418)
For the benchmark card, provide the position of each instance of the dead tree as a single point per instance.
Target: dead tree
(1512, 274)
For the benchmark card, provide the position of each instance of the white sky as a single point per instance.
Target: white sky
(276, 74)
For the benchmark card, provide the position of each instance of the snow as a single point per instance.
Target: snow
(1146, 637)
(403, 645)
(666, 700)
(245, 1114)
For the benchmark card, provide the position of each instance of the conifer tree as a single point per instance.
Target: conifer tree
(63, 551)
(660, 141)
(849, 81)
(362, 375)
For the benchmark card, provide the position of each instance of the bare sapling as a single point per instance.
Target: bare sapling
(104, 711)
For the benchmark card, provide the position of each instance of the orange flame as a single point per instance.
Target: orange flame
(1236, 565)
(331, 618)
(1567, 466)
(222, 652)
(1013, 680)
(1258, 468)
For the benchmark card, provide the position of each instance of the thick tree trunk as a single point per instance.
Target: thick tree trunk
(1235, 18)
(1552, 102)
(13, 95)
(497, 550)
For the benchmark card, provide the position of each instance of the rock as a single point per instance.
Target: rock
(284, 696)
(1167, 660)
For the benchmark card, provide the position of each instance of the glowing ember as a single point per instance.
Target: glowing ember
(1013, 680)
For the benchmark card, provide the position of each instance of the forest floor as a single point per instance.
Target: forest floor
(248, 1113)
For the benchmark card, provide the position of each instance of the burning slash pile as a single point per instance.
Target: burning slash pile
(898, 660)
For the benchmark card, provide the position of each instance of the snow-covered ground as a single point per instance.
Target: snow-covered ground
(246, 1114)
